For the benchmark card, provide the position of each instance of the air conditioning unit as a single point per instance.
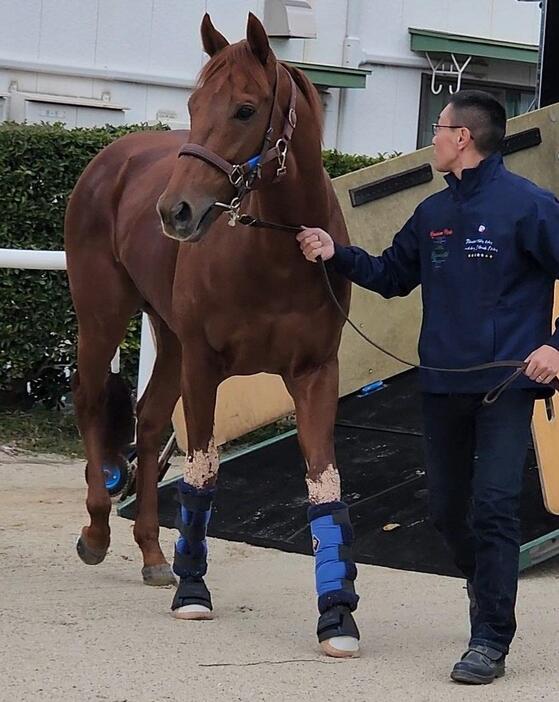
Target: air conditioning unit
(289, 19)
(71, 111)
(171, 119)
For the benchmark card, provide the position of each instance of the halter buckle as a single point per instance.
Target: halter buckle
(292, 117)
(236, 177)
(281, 150)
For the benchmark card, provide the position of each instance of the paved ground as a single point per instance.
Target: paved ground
(70, 632)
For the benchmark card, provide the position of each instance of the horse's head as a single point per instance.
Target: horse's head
(230, 112)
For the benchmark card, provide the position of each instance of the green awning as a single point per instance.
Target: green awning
(333, 76)
(426, 40)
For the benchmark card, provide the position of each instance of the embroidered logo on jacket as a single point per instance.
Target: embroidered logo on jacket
(439, 250)
(480, 247)
(443, 232)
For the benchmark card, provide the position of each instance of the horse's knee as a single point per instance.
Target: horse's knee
(323, 484)
(201, 467)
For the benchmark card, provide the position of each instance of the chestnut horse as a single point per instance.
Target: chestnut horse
(222, 301)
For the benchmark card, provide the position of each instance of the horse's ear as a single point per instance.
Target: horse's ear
(212, 40)
(257, 38)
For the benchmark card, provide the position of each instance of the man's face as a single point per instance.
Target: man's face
(446, 141)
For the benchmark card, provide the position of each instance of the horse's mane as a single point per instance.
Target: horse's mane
(241, 53)
(310, 93)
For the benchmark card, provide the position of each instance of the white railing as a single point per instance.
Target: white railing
(35, 260)
(56, 261)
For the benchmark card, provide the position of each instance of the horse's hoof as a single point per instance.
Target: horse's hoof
(158, 575)
(89, 555)
(341, 647)
(193, 612)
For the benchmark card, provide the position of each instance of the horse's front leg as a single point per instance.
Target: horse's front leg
(200, 379)
(315, 395)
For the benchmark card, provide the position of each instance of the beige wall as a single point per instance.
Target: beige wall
(546, 441)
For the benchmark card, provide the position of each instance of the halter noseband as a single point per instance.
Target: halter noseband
(242, 175)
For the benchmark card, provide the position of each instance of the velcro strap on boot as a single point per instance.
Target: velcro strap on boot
(192, 591)
(337, 621)
(492, 654)
(190, 560)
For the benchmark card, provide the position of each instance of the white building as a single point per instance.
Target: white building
(86, 62)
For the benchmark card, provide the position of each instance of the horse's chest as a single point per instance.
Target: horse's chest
(256, 341)
(256, 319)
(263, 335)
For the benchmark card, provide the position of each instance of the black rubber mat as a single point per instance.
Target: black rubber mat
(261, 497)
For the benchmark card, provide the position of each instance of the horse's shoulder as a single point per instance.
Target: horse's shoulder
(133, 153)
(136, 143)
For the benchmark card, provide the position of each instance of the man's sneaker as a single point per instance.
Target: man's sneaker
(480, 665)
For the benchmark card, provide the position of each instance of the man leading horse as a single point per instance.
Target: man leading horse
(486, 253)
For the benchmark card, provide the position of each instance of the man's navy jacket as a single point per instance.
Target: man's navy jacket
(486, 253)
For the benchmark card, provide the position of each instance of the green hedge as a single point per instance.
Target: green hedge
(338, 164)
(39, 165)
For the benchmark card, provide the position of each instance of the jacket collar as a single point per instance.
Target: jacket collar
(473, 178)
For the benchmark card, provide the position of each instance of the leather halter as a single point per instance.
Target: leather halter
(243, 175)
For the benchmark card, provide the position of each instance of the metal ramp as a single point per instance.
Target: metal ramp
(261, 497)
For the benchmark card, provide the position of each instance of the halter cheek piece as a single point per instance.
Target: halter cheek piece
(242, 175)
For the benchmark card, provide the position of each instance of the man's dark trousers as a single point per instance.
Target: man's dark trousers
(475, 457)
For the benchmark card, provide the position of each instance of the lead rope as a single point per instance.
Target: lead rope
(491, 396)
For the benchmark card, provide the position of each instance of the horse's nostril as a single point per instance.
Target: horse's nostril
(182, 213)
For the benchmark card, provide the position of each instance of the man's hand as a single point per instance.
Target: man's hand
(543, 364)
(316, 242)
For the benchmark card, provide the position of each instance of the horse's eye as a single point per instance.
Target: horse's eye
(245, 112)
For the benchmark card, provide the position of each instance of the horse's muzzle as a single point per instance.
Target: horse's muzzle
(184, 222)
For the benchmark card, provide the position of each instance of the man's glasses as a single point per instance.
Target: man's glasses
(435, 127)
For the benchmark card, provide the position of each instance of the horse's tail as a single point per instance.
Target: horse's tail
(118, 418)
(117, 415)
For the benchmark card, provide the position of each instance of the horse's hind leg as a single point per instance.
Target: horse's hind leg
(103, 408)
(154, 413)
(200, 378)
(316, 398)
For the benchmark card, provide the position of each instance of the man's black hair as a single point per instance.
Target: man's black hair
(483, 115)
